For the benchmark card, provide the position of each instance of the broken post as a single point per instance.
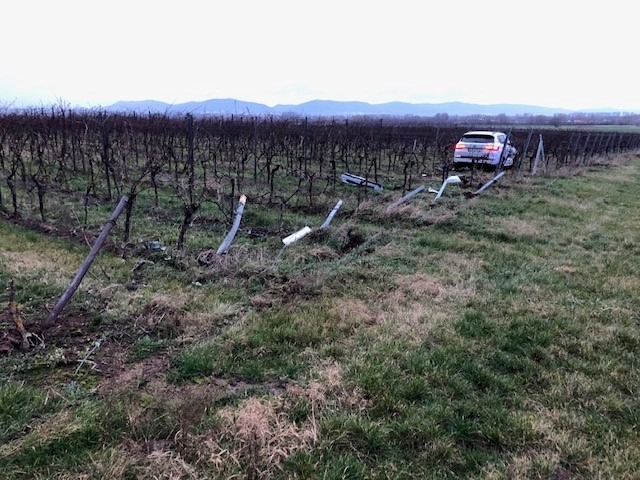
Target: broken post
(488, 184)
(294, 237)
(451, 179)
(405, 198)
(87, 263)
(331, 215)
(352, 179)
(234, 229)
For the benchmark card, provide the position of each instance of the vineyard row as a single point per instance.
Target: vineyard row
(278, 162)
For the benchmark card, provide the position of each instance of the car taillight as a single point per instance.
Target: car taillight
(460, 146)
(492, 148)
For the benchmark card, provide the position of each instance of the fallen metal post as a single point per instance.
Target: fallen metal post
(359, 181)
(294, 237)
(451, 179)
(234, 229)
(87, 263)
(488, 184)
(332, 214)
(405, 198)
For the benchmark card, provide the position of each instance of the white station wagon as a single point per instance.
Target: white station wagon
(484, 148)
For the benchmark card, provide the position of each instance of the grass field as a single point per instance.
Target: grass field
(489, 337)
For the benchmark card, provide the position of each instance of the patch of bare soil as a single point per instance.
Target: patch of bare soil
(118, 374)
(72, 344)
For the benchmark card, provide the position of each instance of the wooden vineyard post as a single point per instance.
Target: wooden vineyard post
(73, 286)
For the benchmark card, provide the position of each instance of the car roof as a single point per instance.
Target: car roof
(484, 132)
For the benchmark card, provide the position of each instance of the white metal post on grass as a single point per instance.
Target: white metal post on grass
(236, 223)
(405, 198)
(331, 215)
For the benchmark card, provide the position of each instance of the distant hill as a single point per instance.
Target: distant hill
(206, 107)
(331, 108)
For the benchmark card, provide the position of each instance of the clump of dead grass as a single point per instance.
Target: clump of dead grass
(162, 313)
(163, 463)
(255, 437)
(415, 214)
(420, 286)
(239, 262)
(326, 389)
(186, 313)
(356, 311)
(521, 227)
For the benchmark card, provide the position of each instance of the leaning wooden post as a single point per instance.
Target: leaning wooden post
(236, 224)
(87, 263)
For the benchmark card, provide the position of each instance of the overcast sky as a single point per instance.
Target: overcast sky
(555, 53)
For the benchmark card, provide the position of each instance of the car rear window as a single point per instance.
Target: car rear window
(478, 138)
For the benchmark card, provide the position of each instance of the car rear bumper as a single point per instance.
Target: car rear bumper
(468, 160)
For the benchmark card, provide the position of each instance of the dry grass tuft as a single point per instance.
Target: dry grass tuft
(418, 304)
(420, 286)
(519, 226)
(186, 312)
(566, 268)
(326, 389)
(356, 311)
(260, 437)
(169, 465)
(110, 463)
(255, 438)
(163, 311)
(239, 262)
(323, 252)
(569, 204)
(413, 213)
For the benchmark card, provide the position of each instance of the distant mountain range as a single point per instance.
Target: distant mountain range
(332, 108)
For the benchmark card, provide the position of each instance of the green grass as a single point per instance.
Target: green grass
(493, 337)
